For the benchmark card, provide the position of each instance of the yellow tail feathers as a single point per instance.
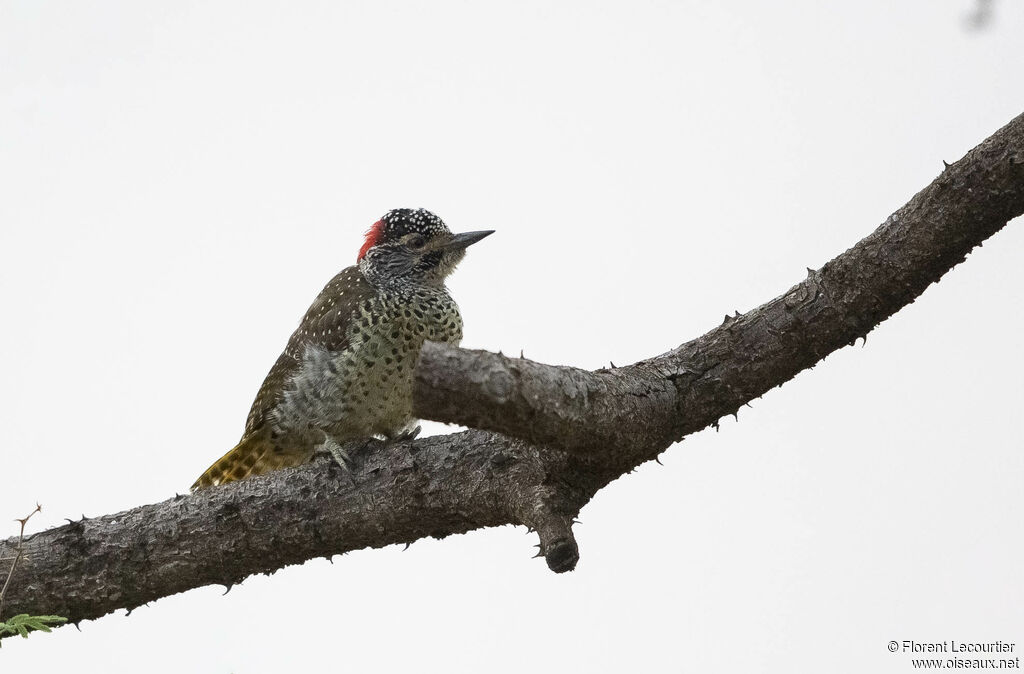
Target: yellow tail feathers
(254, 455)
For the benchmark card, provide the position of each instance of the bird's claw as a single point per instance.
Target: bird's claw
(406, 435)
(340, 456)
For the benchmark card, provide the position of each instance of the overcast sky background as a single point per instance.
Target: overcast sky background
(179, 180)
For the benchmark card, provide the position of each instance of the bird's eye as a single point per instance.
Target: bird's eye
(417, 241)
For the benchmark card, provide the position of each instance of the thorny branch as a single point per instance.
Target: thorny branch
(18, 554)
(554, 435)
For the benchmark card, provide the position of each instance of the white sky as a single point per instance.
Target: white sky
(178, 180)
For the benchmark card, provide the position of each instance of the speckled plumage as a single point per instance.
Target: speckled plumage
(346, 372)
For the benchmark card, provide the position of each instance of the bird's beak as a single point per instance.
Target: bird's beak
(465, 239)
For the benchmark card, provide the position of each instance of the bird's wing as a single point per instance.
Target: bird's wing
(325, 325)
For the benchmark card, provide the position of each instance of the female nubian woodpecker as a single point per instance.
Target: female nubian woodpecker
(346, 373)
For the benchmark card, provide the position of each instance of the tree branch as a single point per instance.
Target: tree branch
(645, 407)
(567, 432)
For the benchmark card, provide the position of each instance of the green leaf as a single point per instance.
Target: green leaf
(23, 623)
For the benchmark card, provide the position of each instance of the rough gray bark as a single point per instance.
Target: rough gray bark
(566, 432)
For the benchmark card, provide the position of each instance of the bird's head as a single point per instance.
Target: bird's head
(412, 244)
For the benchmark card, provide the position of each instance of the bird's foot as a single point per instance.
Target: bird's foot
(408, 434)
(338, 453)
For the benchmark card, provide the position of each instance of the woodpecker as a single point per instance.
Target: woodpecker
(346, 373)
